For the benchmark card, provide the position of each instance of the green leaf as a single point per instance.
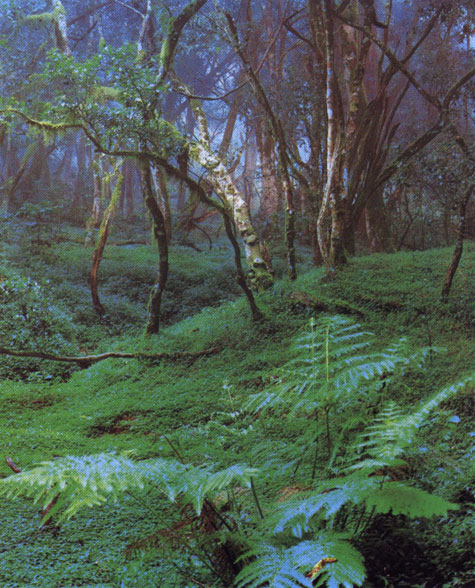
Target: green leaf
(399, 499)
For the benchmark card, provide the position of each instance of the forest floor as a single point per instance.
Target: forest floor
(158, 409)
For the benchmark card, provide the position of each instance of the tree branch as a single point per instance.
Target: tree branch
(87, 360)
(395, 62)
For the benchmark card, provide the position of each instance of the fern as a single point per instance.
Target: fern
(74, 483)
(382, 443)
(399, 499)
(275, 566)
(290, 543)
(330, 367)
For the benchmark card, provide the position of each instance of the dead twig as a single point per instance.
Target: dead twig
(88, 360)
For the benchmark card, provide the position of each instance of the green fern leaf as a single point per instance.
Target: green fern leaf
(205, 483)
(347, 571)
(79, 482)
(271, 568)
(399, 499)
(277, 567)
(295, 515)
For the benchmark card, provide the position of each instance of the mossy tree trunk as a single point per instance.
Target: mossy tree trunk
(160, 234)
(163, 198)
(277, 132)
(260, 275)
(101, 243)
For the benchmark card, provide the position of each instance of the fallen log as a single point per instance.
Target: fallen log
(87, 360)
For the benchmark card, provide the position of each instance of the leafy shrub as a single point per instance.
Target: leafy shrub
(31, 322)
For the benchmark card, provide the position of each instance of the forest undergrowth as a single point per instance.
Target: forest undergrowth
(313, 448)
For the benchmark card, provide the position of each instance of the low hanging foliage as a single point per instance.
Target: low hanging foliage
(306, 539)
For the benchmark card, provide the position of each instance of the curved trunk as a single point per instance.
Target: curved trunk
(260, 274)
(160, 233)
(99, 250)
(457, 254)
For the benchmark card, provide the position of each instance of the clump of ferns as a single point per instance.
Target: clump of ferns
(323, 522)
(303, 539)
(336, 370)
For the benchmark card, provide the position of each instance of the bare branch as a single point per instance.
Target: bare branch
(139, 12)
(395, 62)
(89, 11)
(423, 37)
(456, 87)
(88, 360)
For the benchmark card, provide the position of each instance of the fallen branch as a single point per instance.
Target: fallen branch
(12, 465)
(88, 360)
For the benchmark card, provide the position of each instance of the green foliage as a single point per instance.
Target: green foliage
(117, 96)
(289, 538)
(204, 420)
(384, 442)
(78, 482)
(277, 566)
(31, 321)
(334, 359)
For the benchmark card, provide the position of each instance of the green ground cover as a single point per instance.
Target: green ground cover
(194, 408)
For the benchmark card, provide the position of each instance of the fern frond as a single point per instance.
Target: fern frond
(272, 568)
(78, 482)
(348, 569)
(393, 430)
(333, 359)
(277, 567)
(399, 499)
(295, 515)
(203, 483)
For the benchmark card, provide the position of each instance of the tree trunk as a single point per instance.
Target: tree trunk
(241, 280)
(95, 218)
(270, 201)
(337, 238)
(457, 254)
(99, 250)
(160, 233)
(378, 229)
(259, 276)
(163, 198)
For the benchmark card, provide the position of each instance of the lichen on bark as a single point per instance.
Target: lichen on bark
(260, 275)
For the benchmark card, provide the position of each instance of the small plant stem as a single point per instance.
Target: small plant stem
(294, 473)
(359, 520)
(211, 506)
(175, 450)
(368, 520)
(315, 454)
(256, 499)
(327, 427)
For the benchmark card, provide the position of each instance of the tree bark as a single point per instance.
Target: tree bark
(457, 254)
(259, 276)
(88, 360)
(99, 250)
(163, 198)
(160, 234)
(277, 132)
